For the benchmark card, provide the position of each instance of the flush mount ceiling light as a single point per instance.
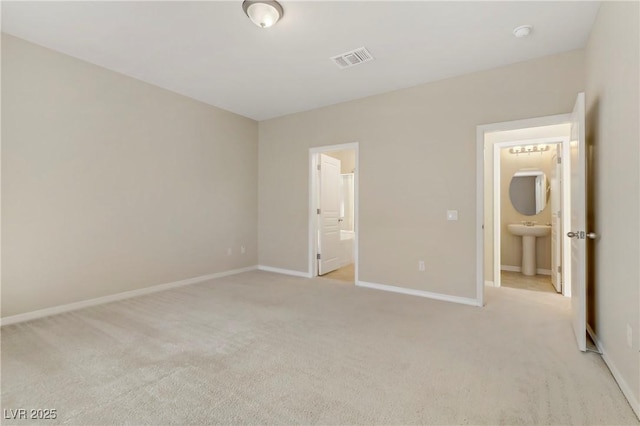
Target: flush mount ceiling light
(263, 13)
(522, 31)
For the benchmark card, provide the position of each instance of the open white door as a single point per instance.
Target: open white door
(578, 232)
(556, 219)
(329, 215)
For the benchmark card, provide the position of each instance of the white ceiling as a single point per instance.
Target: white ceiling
(212, 52)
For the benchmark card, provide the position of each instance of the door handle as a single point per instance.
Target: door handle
(581, 235)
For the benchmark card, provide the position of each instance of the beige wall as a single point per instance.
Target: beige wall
(110, 184)
(613, 136)
(347, 159)
(553, 131)
(511, 245)
(430, 130)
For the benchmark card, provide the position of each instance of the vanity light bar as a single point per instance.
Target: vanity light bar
(529, 149)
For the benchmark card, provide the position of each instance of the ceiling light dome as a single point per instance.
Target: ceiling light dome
(263, 13)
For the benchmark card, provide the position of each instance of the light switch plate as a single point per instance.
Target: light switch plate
(452, 214)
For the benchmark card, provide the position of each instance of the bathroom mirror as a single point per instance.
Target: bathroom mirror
(529, 191)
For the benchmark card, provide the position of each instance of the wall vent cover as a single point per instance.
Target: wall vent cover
(352, 58)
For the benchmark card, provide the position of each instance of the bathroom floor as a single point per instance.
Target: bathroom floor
(346, 273)
(523, 282)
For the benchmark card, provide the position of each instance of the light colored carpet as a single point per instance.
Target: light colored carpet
(346, 273)
(262, 348)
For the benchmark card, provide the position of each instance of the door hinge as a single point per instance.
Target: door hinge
(318, 211)
(559, 160)
(318, 256)
(318, 166)
(559, 269)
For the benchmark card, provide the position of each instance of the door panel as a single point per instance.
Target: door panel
(328, 219)
(578, 223)
(556, 219)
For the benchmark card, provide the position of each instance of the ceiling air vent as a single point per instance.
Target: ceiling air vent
(354, 57)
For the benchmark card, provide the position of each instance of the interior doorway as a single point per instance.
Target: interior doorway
(575, 211)
(530, 212)
(333, 212)
(487, 263)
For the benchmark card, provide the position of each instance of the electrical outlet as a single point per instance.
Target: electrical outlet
(421, 265)
(629, 336)
(243, 250)
(452, 214)
(229, 251)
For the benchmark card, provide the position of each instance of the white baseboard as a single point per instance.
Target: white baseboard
(624, 386)
(421, 293)
(284, 271)
(510, 268)
(489, 283)
(28, 316)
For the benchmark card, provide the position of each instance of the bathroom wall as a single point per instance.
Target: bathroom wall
(511, 245)
(347, 165)
(347, 159)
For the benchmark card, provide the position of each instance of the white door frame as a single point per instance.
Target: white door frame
(480, 152)
(313, 204)
(497, 231)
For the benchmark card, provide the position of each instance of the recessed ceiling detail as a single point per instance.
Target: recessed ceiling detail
(353, 58)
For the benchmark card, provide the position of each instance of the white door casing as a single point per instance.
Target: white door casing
(328, 218)
(481, 147)
(556, 219)
(577, 231)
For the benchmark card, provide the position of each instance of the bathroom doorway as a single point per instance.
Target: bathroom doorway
(570, 128)
(528, 189)
(526, 201)
(333, 212)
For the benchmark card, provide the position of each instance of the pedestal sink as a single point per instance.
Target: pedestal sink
(529, 234)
